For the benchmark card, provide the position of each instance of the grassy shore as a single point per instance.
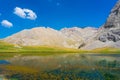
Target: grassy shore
(11, 50)
(26, 72)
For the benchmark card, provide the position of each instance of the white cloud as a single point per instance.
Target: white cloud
(25, 13)
(6, 23)
(18, 11)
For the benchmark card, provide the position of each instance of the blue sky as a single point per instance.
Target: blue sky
(16, 15)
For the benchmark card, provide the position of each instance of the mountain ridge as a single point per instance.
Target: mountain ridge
(87, 38)
(66, 37)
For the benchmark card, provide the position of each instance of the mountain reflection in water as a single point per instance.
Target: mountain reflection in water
(61, 66)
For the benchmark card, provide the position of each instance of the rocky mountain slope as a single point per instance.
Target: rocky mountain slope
(67, 37)
(109, 34)
(111, 29)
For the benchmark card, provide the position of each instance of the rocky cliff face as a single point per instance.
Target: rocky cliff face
(109, 34)
(111, 29)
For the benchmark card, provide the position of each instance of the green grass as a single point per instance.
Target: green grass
(10, 50)
(106, 50)
(6, 47)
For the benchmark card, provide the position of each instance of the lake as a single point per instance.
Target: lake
(3, 62)
(71, 66)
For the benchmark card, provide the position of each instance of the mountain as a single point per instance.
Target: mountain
(67, 37)
(84, 38)
(111, 29)
(76, 34)
(109, 34)
(37, 36)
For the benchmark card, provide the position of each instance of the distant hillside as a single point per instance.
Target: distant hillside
(40, 36)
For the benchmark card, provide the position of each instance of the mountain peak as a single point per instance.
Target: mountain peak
(108, 35)
(113, 20)
(111, 29)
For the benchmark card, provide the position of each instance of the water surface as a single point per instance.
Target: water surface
(72, 66)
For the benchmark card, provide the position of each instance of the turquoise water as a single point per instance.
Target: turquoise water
(4, 62)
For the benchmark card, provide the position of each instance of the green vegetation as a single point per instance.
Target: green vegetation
(6, 47)
(48, 49)
(11, 50)
(106, 50)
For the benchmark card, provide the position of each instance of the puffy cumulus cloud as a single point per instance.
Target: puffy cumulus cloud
(6, 23)
(25, 13)
(19, 12)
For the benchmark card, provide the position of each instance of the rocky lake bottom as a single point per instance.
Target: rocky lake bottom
(70, 66)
